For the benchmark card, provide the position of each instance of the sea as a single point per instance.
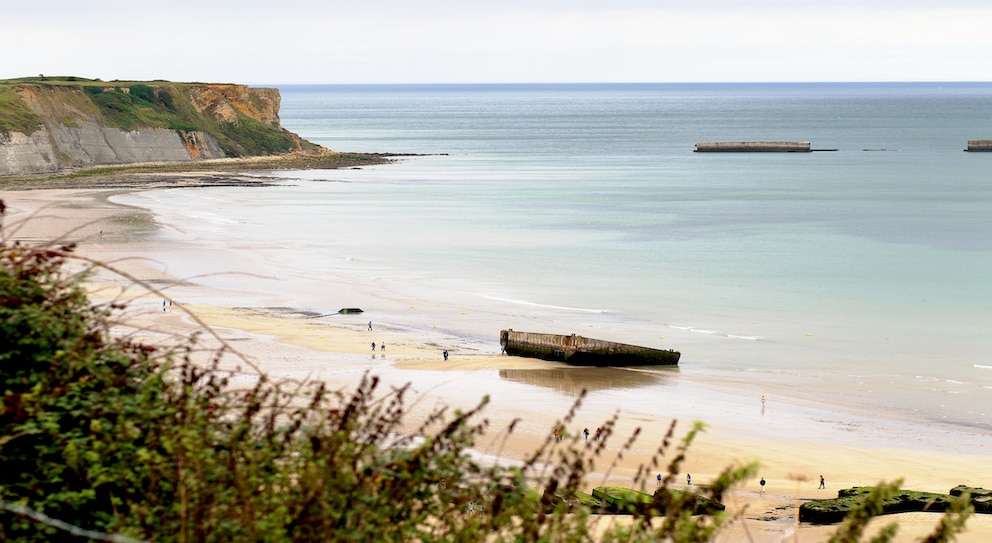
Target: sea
(858, 275)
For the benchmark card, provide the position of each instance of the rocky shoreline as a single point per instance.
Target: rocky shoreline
(217, 172)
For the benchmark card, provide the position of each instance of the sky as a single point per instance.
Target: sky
(505, 41)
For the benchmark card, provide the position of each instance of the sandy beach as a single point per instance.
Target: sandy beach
(794, 444)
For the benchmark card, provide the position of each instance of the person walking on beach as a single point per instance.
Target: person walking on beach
(659, 479)
(598, 431)
(557, 437)
(762, 482)
(688, 479)
(373, 346)
(823, 483)
(370, 326)
(446, 355)
(382, 347)
(585, 432)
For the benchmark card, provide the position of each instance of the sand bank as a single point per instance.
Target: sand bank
(794, 444)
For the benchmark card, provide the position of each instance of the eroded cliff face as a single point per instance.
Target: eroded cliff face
(76, 133)
(224, 102)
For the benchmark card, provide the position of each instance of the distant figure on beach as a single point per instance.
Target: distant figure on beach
(762, 405)
(373, 346)
(598, 431)
(585, 431)
(557, 437)
(446, 355)
(659, 479)
(823, 484)
(370, 326)
(688, 479)
(762, 482)
(382, 347)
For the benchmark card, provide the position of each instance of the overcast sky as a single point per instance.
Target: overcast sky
(468, 41)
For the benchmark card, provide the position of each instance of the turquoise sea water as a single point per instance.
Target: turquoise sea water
(858, 276)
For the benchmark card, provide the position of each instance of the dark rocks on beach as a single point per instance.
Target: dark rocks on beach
(833, 511)
(613, 500)
(981, 498)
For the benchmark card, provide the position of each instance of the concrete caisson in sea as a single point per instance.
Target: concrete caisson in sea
(753, 147)
(979, 146)
(581, 351)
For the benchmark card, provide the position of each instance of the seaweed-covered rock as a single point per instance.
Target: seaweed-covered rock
(575, 499)
(622, 500)
(690, 501)
(854, 491)
(619, 500)
(833, 511)
(981, 498)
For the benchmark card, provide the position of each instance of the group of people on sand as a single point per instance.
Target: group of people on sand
(560, 434)
(762, 482)
(382, 346)
(823, 484)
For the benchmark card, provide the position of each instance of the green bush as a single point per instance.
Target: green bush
(165, 98)
(75, 400)
(143, 92)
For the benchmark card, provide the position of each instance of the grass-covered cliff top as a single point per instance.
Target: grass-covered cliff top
(243, 123)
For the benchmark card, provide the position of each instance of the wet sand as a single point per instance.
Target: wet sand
(793, 443)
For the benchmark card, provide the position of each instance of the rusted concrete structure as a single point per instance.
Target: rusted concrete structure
(581, 351)
(979, 145)
(753, 147)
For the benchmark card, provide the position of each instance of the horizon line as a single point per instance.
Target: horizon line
(629, 83)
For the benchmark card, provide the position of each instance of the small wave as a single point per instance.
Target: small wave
(953, 382)
(534, 304)
(982, 366)
(714, 333)
(697, 330)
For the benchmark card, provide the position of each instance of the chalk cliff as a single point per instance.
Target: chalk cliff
(50, 125)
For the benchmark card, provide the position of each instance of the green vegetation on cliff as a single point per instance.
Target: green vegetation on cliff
(15, 115)
(130, 105)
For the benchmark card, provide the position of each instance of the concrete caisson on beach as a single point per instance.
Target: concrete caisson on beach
(979, 146)
(581, 351)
